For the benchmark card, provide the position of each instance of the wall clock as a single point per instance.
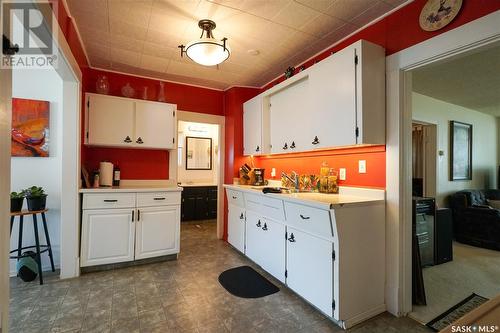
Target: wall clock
(436, 14)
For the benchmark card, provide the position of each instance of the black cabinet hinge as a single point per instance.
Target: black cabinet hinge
(356, 59)
(286, 273)
(173, 140)
(286, 235)
(333, 254)
(88, 104)
(333, 305)
(8, 48)
(87, 134)
(173, 113)
(356, 131)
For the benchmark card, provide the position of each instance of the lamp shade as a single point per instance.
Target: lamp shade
(207, 51)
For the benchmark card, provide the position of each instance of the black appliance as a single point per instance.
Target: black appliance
(444, 236)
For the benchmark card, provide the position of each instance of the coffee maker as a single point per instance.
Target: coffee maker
(259, 177)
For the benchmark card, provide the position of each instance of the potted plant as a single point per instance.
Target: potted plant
(36, 198)
(16, 201)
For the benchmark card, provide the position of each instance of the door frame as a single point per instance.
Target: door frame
(478, 33)
(173, 160)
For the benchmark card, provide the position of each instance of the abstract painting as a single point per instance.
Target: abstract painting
(30, 128)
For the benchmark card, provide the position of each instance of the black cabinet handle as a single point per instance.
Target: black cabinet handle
(292, 145)
(304, 217)
(127, 139)
(133, 213)
(258, 224)
(159, 199)
(264, 227)
(315, 141)
(110, 200)
(292, 238)
(257, 149)
(139, 141)
(285, 147)
(241, 216)
(235, 197)
(138, 215)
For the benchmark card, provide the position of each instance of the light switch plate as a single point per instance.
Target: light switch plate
(342, 174)
(362, 166)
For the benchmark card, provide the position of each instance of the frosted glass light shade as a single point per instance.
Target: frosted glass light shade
(207, 51)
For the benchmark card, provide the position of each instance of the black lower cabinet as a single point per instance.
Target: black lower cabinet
(199, 203)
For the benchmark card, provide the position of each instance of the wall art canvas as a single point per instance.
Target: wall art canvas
(460, 151)
(30, 128)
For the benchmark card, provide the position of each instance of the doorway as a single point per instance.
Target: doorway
(424, 148)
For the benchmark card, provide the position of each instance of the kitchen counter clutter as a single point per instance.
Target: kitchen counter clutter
(333, 250)
(128, 223)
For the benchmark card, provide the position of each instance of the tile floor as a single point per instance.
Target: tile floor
(174, 296)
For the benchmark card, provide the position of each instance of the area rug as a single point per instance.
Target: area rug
(456, 312)
(246, 282)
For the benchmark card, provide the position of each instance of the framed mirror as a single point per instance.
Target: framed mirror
(198, 153)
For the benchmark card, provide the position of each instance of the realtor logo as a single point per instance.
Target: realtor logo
(28, 35)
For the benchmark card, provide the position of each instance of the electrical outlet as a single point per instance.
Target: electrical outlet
(362, 166)
(342, 173)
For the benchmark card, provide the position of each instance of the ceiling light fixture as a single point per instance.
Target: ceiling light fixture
(206, 51)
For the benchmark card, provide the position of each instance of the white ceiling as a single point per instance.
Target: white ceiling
(141, 36)
(471, 80)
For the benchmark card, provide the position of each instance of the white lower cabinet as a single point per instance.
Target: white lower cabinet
(157, 231)
(265, 244)
(309, 264)
(236, 227)
(107, 236)
(121, 227)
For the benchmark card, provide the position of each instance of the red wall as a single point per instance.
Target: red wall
(144, 163)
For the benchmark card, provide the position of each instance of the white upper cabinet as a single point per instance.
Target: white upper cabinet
(337, 102)
(154, 125)
(110, 121)
(252, 129)
(125, 122)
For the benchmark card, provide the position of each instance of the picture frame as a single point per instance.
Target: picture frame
(460, 151)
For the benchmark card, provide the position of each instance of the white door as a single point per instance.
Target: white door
(253, 236)
(289, 116)
(154, 125)
(236, 227)
(273, 248)
(107, 236)
(333, 85)
(309, 267)
(157, 231)
(110, 121)
(252, 126)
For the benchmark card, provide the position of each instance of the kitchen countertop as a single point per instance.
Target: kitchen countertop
(346, 196)
(196, 184)
(135, 188)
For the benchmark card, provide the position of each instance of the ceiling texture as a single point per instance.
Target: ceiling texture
(141, 36)
(471, 80)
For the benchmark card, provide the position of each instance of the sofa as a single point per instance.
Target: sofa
(475, 221)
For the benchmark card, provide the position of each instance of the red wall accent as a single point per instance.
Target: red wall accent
(143, 163)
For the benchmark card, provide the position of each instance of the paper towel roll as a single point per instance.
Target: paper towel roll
(106, 174)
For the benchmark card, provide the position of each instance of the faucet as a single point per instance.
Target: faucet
(294, 178)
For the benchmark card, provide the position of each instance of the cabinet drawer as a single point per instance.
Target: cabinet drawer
(152, 199)
(235, 198)
(309, 219)
(273, 208)
(108, 200)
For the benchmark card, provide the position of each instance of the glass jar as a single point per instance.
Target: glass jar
(332, 182)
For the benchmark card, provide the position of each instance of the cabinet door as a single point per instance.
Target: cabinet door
(273, 249)
(188, 207)
(253, 236)
(236, 227)
(107, 236)
(333, 90)
(157, 231)
(154, 125)
(309, 267)
(289, 116)
(110, 121)
(201, 206)
(252, 126)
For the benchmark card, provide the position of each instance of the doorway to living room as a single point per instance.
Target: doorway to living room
(455, 157)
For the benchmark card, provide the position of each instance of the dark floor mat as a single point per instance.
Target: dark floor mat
(246, 282)
(456, 312)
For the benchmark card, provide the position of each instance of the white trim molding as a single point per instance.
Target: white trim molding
(478, 33)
